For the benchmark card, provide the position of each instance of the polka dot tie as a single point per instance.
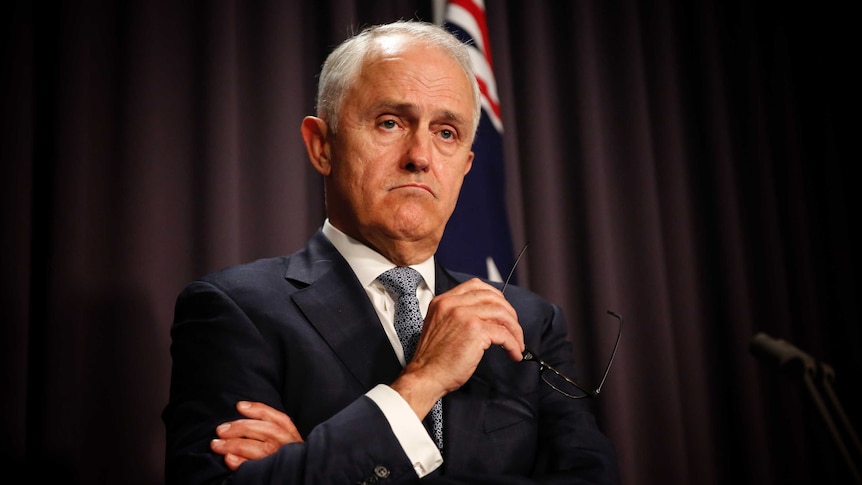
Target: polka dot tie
(403, 281)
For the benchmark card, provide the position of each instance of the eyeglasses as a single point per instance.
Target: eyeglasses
(556, 379)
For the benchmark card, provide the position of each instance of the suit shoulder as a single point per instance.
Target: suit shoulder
(259, 266)
(517, 295)
(262, 272)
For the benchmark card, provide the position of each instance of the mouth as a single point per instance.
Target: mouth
(413, 186)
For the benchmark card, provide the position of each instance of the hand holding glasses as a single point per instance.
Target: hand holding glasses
(554, 378)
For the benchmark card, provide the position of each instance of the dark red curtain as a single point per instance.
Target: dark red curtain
(688, 164)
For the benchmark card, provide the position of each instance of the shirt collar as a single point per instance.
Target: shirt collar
(367, 263)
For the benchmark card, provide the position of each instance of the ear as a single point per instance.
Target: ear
(314, 133)
(469, 164)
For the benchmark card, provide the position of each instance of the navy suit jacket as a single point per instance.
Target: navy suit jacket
(299, 334)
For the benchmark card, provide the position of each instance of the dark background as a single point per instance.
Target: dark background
(689, 164)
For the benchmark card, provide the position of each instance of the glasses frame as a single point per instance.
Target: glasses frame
(529, 355)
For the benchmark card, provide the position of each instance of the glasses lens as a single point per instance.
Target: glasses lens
(561, 384)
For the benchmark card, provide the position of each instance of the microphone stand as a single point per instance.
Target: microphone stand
(786, 357)
(827, 374)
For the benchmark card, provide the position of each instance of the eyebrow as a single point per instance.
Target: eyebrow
(410, 108)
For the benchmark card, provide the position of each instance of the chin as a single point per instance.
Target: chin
(415, 229)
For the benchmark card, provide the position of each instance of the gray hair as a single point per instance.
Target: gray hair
(343, 65)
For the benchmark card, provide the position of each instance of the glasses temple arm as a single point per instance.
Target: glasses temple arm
(613, 352)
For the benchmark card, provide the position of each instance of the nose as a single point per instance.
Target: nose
(418, 152)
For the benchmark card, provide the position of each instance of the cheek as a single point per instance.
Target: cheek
(357, 180)
(364, 155)
(351, 180)
(453, 173)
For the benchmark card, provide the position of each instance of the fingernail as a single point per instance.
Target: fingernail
(223, 427)
(217, 443)
(244, 404)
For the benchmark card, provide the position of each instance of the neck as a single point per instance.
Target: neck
(403, 253)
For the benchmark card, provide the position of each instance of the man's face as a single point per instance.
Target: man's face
(402, 149)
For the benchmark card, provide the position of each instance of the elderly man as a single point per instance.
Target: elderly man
(293, 369)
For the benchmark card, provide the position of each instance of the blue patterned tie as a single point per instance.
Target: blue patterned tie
(403, 281)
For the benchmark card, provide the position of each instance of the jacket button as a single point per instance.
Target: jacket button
(381, 471)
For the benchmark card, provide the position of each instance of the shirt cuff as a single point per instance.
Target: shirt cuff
(414, 438)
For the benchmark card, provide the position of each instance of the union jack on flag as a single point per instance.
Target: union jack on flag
(477, 238)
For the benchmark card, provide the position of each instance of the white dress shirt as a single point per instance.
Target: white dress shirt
(368, 264)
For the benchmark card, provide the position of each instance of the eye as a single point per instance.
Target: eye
(447, 134)
(389, 124)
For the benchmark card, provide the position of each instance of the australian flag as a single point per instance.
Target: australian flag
(477, 239)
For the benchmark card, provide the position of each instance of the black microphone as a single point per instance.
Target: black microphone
(782, 355)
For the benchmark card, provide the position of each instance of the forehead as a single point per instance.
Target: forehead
(392, 44)
(405, 52)
(412, 70)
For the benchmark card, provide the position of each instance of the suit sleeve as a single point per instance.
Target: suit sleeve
(568, 446)
(219, 356)
(572, 448)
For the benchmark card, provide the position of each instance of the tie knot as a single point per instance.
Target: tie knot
(402, 280)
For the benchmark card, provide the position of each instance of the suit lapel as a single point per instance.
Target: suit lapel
(336, 305)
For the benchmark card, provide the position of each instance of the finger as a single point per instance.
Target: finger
(471, 285)
(511, 343)
(259, 410)
(258, 430)
(503, 315)
(228, 448)
(244, 448)
(480, 291)
(466, 286)
(233, 461)
(263, 412)
(485, 303)
(476, 296)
